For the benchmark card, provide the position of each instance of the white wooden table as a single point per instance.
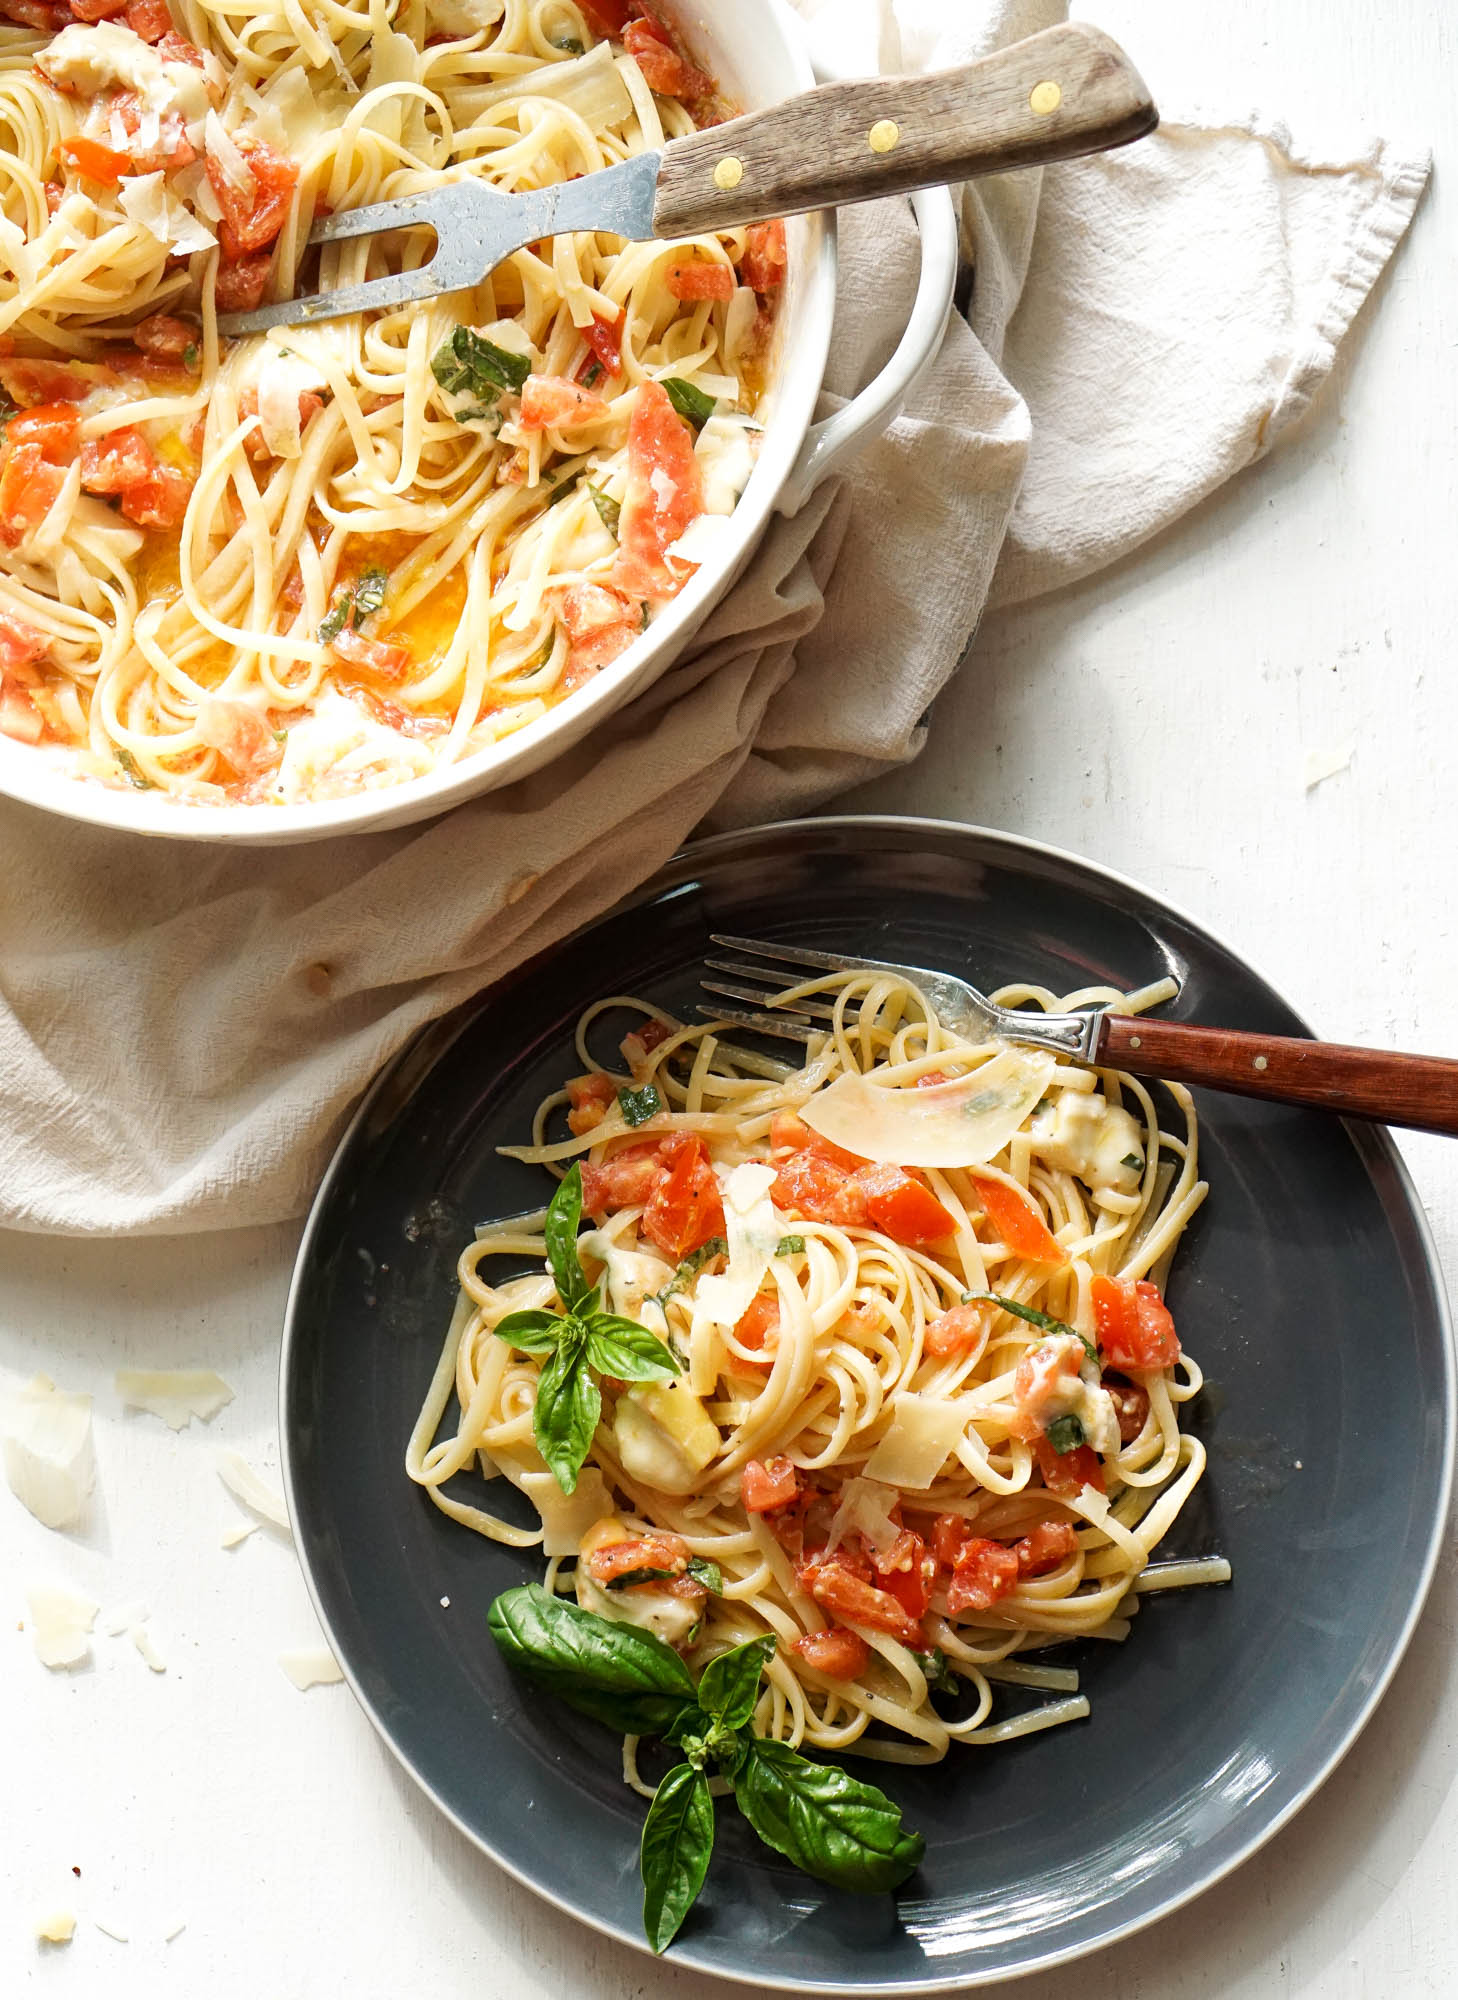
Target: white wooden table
(1155, 718)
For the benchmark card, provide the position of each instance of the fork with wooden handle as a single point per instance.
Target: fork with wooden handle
(1059, 94)
(1420, 1092)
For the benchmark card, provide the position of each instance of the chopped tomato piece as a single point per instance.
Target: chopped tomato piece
(908, 1569)
(764, 1486)
(1018, 1220)
(55, 427)
(251, 220)
(640, 1044)
(1131, 1405)
(604, 339)
(615, 1559)
(20, 719)
(121, 459)
(96, 10)
(167, 145)
(605, 17)
(95, 161)
(758, 1326)
(20, 644)
(239, 732)
(789, 1134)
(961, 1330)
(624, 1180)
(949, 1532)
(163, 335)
(838, 1654)
(601, 625)
(931, 1079)
(388, 659)
(983, 1572)
(703, 278)
(551, 402)
(159, 502)
(685, 1210)
(762, 266)
(149, 19)
(665, 494)
(240, 286)
(904, 1207)
(28, 382)
(33, 14)
(664, 69)
(1134, 1325)
(590, 1097)
(820, 1191)
(177, 48)
(835, 1587)
(29, 484)
(1066, 1473)
(1050, 1543)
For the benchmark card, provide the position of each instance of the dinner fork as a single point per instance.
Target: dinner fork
(1420, 1092)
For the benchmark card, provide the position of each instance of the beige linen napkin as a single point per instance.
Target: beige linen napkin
(183, 1030)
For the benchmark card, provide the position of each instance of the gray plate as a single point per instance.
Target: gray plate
(1307, 1288)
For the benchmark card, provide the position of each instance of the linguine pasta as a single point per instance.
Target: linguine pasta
(303, 564)
(927, 1419)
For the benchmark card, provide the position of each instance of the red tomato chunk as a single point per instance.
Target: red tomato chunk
(838, 1654)
(768, 1485)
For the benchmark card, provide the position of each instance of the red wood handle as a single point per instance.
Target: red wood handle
(1416, 1091)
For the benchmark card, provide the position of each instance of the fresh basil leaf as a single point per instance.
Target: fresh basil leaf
(369, 594)
(615, 1673)
(939, 1676)
(638, 1106)
(707, 1573)
(475, 413)
(468, 361)
(532, 1332)
(690, 1268)
(593, 376)
(135, 775)
(564, 1422)
(190, 357)
(570, 46)
(609, 510)
(623, 1348)
(1065, 1434)
(335, 618)
(678, 1838)
(790, 1246)
(690, 401)
(825, 1821)
(1032, 1316)
(631, 1578)
(729, 1684)
(564, 1218)
(699, 1571)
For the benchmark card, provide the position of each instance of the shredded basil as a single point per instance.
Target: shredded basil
(335, 618)
(369, 594)
(638, 1106)
(609, 510)
(790, 1246)
(692, 404)
(939, 1676)
(690, 1268)
(135, 775)
(468, 363)
(189, 356)
(708, 1574)
(593, 376)
(1065, 1434)
(1034, 1318)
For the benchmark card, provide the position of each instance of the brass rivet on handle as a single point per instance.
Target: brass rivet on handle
(1045, 98)
(1259, 1063)
(884, 135)
(729, 173)
(1135, 1042)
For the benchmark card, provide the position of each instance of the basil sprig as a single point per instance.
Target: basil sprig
(693, 404)
(638, 1106)
(580, 1340)
(1031, 1314)
(469, 364)
(690, 1268)
(1066, 1434)
(828, 1823)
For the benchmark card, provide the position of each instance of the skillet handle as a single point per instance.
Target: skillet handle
(1419, 1092)
(1057, 95)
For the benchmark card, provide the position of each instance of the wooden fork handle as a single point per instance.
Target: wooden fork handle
(1416, 1091)
(1067, 91)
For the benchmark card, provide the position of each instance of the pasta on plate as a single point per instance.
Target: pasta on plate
(303, 564)
(916, 1412)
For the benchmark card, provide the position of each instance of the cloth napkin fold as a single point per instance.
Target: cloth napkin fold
(183, 1030)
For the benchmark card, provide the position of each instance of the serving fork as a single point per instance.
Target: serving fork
(1068, 91)
(1420, 1092)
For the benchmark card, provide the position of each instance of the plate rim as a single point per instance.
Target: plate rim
(1378, 1135)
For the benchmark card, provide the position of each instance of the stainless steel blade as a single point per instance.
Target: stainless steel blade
(476, 226)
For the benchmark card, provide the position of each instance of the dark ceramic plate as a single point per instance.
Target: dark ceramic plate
(1307, 1288)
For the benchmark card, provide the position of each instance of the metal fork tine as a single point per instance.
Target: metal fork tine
(796, 1009)
(763, 1024)
(818, 961)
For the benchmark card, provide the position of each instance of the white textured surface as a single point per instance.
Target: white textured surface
(1157, 718)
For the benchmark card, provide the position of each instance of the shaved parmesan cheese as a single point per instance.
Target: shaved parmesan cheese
(290, 108)
(150, 203)
(702, 539)
(964, 1123)
(175, 1928)
(752, 1231)
(239, 1532)
(726, 459)
(56, 1927)
(311, 1666)
(142, 1640)
(223, 151)
(566, 1517)
(924, 1433)
(85, 60)
(48, 1454)
(176, 1395)
(281, 380)
(591, 86)
(1084, 1134)
(865, 1509)
(60, 1622)
(245, 1485)
(1323, 764)
(114, 1623)
(111, 1927)
(463, 17)
(632, 1276)
(338, 750)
